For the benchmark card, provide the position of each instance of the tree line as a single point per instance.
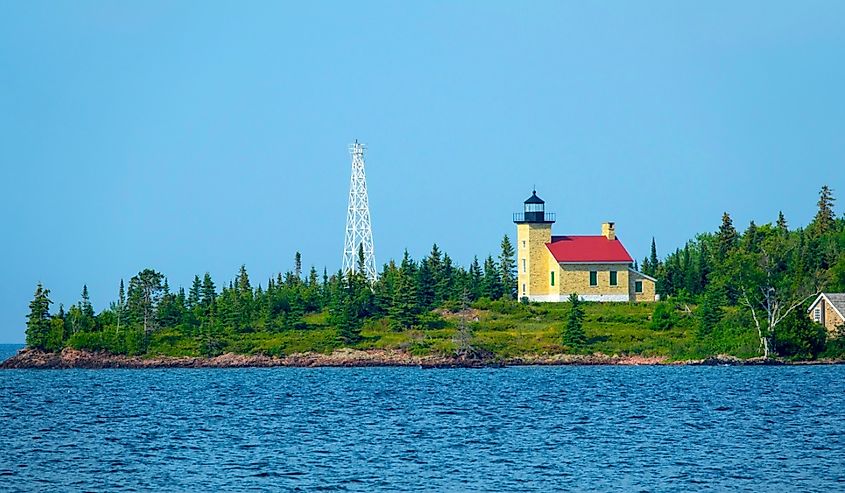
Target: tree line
(769, 271)
(760, 279)
(405, 293)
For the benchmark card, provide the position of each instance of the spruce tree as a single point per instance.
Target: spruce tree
(646, 267)
(727, 236)
(85, 317)
(825, 218)
(492, 281)
(209, 292)
(781, 224)
(653, 261)
(403, 309)
(475, 280)
(194, 293)
(38, 321)
(574, 335)
(297, 262)
(507, 268)
(710, 312)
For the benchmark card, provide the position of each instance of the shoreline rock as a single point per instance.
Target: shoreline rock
(70, 358)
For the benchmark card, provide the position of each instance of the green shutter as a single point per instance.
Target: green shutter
(553, 278)
(594, 278)
(638, 286)
(613, 278)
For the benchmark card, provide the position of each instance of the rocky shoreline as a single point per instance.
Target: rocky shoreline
(72, 358)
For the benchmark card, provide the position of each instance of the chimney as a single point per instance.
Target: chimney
(608, 230)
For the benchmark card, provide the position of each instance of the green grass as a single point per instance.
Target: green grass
(503, 329)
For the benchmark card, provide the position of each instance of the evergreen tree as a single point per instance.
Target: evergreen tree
(646, 267)
(445, 288)
(751, 238)
(209, 293)
(475, 280)
(574, 335)
(507, 268)
(38, 323)
(825, 218)
(653, 261)
(727, 236)
(781, 225)
(710, 312)
(144, 294)
(194, 293)
(403, 309)
(84, 317)
(492, 282)
(297, 262)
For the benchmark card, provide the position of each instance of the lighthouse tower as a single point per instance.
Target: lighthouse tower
(533, 231)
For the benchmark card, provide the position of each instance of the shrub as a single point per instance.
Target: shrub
(799, 337)
(663, 317)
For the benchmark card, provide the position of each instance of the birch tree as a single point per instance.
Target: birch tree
(772, 283)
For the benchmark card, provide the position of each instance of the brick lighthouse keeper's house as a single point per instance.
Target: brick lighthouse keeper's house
(596, 268)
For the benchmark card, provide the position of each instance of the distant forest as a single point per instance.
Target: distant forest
(768, 272)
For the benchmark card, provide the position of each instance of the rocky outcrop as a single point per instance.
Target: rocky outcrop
(73, 358)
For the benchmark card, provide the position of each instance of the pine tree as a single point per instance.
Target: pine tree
(653, 261)
(703, 270)
(475, 280)
(574, 335)
(492, 281)
(85, 322)
(507, 268)
(144, 294)
(209, 292)
(38, 321)
(297, 265)
(727, 236)
(825, 217)
(646, 267)
(194, 293)
(751, 238)
(445, 288)
(710, 312)
(403, 309)
(781, 224)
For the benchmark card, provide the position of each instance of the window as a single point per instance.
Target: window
(523, 243)
(553, 278)
(594, 278)
(638, 286)
(523, 265)
(817, 315)
(523, 289)
(613, 278)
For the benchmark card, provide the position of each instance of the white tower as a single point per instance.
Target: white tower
(359, 231)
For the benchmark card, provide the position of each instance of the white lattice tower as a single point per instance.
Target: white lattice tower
(359, 231)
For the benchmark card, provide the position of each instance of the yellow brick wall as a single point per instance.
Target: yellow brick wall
(531, 242)
(831, 318)
(575, 278)
(649, 287)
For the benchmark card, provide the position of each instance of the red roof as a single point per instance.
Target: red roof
(588, 249)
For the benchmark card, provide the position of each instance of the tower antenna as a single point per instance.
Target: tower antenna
(359, 231)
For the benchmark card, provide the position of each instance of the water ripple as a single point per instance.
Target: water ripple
(525, 429)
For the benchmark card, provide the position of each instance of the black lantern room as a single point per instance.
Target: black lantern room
(534, 211)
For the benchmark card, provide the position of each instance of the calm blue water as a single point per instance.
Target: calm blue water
(582, 428)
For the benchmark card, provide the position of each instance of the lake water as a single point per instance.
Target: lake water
(527, 429)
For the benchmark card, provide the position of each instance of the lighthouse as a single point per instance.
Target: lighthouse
(533, 232)
(594, 267)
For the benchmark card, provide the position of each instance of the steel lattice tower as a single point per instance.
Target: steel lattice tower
(359, 231)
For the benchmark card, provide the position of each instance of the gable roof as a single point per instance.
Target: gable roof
(836, 300)
(588, 250)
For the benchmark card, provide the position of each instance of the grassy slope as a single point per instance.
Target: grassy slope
(506, 330)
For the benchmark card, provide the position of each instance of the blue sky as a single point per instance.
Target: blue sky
(199, 136)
